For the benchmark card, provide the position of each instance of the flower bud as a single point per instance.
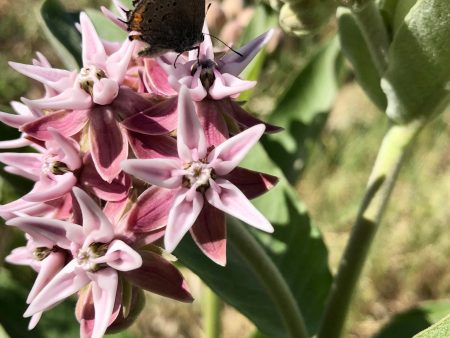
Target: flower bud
(305, 17)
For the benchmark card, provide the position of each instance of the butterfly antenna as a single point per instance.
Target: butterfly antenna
(215, 37)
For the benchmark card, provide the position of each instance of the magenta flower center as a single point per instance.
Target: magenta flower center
(87, 257)
(88, 76)
(197, 174)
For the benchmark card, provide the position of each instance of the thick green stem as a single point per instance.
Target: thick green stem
(375, 34)
(212, 307)
(271, 278)
(378, 190)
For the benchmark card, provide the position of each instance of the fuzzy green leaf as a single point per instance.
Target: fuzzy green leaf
(417, 81)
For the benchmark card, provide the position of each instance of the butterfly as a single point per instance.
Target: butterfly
(167, 25)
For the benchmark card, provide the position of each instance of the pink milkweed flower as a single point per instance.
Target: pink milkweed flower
(100, 258)
(53, 170)
(204, 75)
(44, 256)
(199, 184)
(95, 96)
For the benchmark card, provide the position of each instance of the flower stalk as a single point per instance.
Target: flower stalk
(271, 279)
(212, 309)
(384, 174)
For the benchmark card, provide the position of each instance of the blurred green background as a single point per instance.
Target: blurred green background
(409, 263)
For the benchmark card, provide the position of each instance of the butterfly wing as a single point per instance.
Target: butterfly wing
(168, 24)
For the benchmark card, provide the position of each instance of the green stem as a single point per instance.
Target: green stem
(211, 311)
(271, 278)
(372, 26)
(378, 190)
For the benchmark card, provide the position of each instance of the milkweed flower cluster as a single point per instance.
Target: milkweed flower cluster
(129, 155)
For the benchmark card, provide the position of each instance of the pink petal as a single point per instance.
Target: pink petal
(92, 47)
(244, 119)
(66, 123)
(251, 183)
(108, 143)
(120, 257)
(14, 120)
(151, 210)
(227, 85)
(191, 140)
(104, 290)
(227, 156)
(182, 215)
(105, 91)
(212, 122)
(50, 189)
(57, 79)
(47, 232)
(50, 266)
(117, 190)
(30, 164)
(118, 62)
(115, 210)
(158, 120)
(157, 171)
(232, 201)
(74, 98)
(234, 64)
(66, 282)
(155, 79)
(113, 17)
(96, 225)
(85, 309)
(69, 148)
(149, 146)
(209, 232)
(17, 143)
(159, 276)
(21, 256)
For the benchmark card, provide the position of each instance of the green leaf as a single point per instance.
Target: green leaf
(59, 26)
(407, 324)
(355, 49)
(440, 329)
(302, 111)
(417, 81)
(296, 247)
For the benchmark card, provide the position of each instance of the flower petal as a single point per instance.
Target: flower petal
(152, 146)
(227, 85)
(50, 266)
(74, 98)
(49, 189)
(251, 183)
(65, 122)
(105, 91)
(117, 190)
(209, 232)
(68, 147)
(157, 171)
(191, 140)
(234, 64)
(227, 156)
(182, 215)
(92, 47)
(232, 201)
(108, 143)
(151, 210)
(104, 290)
(48, 232)
(158, 120)
(212, 122)
(244, 119)
(120, 256)
(96, 225)
(159, 276)
(66, 282)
